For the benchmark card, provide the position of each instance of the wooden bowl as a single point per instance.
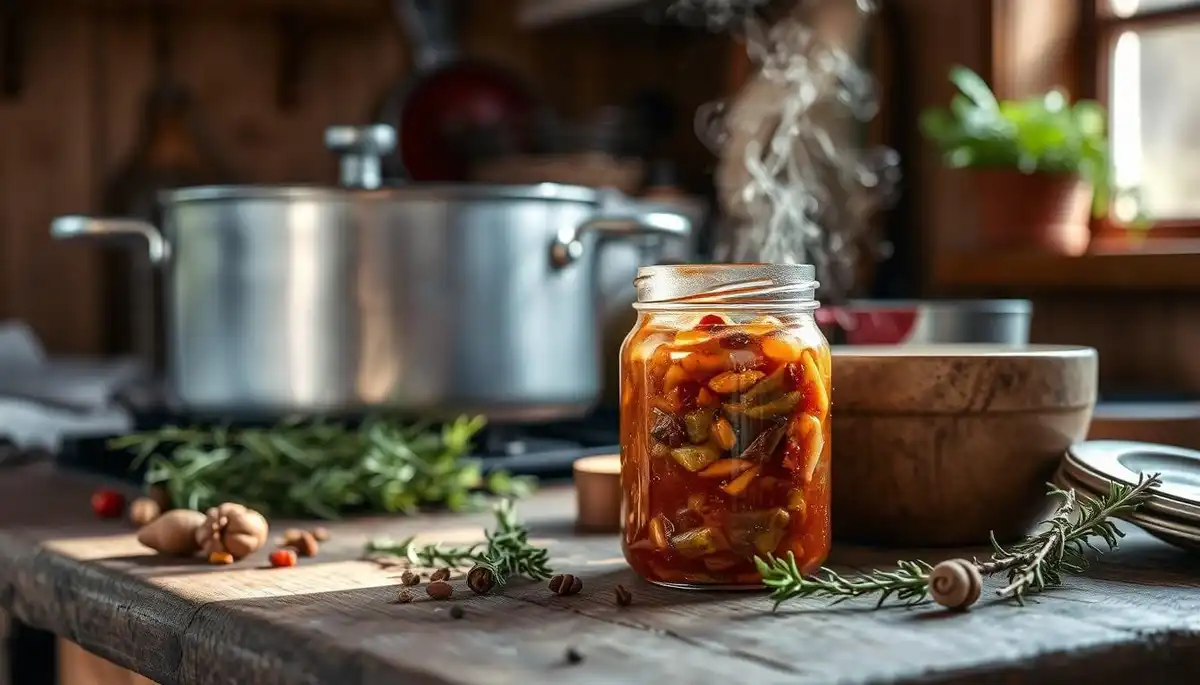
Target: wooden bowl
(937, 445)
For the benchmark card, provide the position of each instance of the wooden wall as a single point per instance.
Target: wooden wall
(78, 116)
(88, 67)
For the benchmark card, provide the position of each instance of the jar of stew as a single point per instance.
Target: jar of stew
(725, 428)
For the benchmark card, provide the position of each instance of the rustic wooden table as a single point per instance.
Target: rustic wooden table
(333, 619)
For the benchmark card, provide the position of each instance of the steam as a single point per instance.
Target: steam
(791, 179)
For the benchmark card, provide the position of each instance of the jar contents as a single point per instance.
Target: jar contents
(725, 445)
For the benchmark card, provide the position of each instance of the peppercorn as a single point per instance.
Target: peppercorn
(409, 578)
(439, 589)
(456, 612)
(283, 557)
(624, 597)
(321, 533)
(440, 574)
(574, 656)
(481, 580)
(566, 584)
(404, 597)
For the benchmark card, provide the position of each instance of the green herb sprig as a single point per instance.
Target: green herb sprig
(506, 551)
(1034, 564)
(321, 469)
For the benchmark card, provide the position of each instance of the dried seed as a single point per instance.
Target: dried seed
(481, 580)
(574, 656)
(566, 584)
(143, 511)
(321, 533)
(404, 597)
(409, 578)
(439, 589)
(624, 597)
(457, 612)
(305, 543)
(440, 574)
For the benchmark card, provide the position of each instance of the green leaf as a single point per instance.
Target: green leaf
(974, 87)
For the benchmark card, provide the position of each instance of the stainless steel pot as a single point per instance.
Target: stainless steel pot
(431, 300)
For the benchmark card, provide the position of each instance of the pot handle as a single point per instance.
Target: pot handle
(74, 226)
(568, 243)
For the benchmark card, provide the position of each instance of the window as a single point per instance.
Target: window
(1149, 75)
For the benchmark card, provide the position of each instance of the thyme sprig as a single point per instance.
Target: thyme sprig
(506, 551)
(1034, 564)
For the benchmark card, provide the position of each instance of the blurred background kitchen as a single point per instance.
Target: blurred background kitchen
(105, 103)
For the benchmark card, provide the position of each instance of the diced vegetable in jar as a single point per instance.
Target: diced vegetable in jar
(667, 428)
(734, 381)
(738, 485)
(776, 407)
(695, 457)
(726, 468)
(698, 423)
(782, 348)
(724, 428)
(765, 444)
(723, 434)
(696, 543)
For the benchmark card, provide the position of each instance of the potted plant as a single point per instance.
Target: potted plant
(1039, 167)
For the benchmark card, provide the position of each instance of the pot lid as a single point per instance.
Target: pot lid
(1097, 464)
(413, 192)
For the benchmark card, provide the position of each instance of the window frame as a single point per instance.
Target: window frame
(1097, 32)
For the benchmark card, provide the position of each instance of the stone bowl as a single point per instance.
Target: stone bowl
(940, 445)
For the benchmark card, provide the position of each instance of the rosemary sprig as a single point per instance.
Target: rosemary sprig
(909, 582)
(1038, 562)
(425, 556)
(506, 550)
(320, 468)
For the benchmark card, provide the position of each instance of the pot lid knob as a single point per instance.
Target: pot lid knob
(361, 149)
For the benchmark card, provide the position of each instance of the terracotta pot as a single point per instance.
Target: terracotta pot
(1041, 211)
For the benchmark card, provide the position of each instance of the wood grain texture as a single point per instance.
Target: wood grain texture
(1134, 618)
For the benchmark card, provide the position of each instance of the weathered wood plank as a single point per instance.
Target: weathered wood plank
(1136, 616)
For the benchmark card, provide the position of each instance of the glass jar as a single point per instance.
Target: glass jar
(725, 429)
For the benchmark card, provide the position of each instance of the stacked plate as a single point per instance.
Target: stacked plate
(1172, 513)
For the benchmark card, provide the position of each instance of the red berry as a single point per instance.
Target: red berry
(282, 558)
(710, 321)
(108, 504)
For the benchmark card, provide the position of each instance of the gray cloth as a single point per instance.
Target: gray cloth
(44, 399)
